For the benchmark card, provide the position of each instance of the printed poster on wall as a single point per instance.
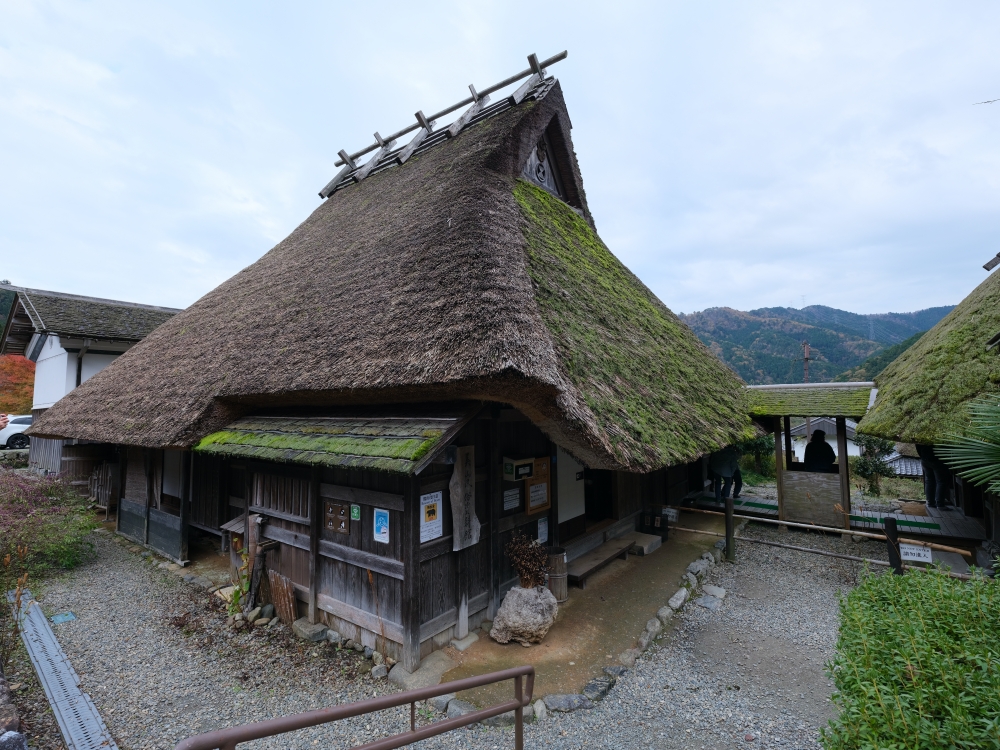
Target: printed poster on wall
(381, 526)
(543, 530)
(462, 489)
(536, 489)
(511, 498)
(431, 525)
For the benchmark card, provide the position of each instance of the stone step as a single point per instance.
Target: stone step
(642, 544)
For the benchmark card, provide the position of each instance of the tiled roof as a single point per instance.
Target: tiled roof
(810, 400)
(399, 445)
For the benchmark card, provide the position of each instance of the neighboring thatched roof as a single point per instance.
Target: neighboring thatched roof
(447, 278)
(72, 316)
(810, 400)
(922, 395)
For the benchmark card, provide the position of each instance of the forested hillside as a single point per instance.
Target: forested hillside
(765, 345)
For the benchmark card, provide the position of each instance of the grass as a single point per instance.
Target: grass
(917, 664)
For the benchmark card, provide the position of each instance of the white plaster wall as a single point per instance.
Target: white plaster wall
(93, 364)
(172, 473)
(799, 446)
(572, 502)
(50, 374)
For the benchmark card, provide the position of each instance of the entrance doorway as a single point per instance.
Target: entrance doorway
(599, 495)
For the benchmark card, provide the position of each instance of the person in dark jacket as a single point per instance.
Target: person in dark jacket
(819, 455)
(725, 466)
(937, 478)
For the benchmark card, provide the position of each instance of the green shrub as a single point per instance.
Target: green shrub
(917, 664)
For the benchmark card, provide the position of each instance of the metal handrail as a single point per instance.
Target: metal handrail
(227, 739)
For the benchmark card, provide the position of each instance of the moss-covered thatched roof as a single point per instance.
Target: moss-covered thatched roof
(922, 395)
(447, 278)
(810, 400)
(382, 443)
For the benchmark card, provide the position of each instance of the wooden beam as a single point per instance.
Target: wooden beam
(314, 529)
(478, 106)
(374, 161)
(522, 91)
(187, 497)
(845, 471)
(495, 503)
(779, 468)
(359, 617)
(788, 443)
(438, 547)
(328, 189)
(359, 496)
(287, 536)
(411, 578)
(403, 156)
(367, 560)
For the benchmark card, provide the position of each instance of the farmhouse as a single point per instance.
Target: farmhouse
(442, 354)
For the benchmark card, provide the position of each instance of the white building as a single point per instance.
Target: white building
(70, 339)
(829, 426)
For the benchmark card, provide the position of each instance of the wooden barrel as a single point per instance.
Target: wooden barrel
(558, 583)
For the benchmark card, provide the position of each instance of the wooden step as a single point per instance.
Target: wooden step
(582, 567)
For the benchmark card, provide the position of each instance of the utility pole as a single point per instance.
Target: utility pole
(805, 379)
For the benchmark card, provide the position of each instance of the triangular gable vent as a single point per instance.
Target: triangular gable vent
(541, 168)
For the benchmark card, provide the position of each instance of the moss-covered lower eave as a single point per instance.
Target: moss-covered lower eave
(657, 394)
(309, 458)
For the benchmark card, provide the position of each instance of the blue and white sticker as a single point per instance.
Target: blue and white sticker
(381, 526)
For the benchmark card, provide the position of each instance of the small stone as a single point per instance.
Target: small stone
(541, 713)
(261, 622)
(334, 637)
(629, 656)
(348, 643)
(653, 627)
(678, 599)
(253, 614)
(13, 741)
(749, 738)
(598, 688)
(359, 647)
(9, 721)
(380, 672)
(390, 662)
(664, 614)
(309, 631)
(369, 652)
(230, 620)
(238, 617)
(615, 670)
(440, 702)
(707, 557)
(698, 568)
(716, 554)
(566, 702)
(173, 566)
(644, 640)
(709, 602)
(721, 544)
(486, 626)
(459, 708)
(365, 668)
(162, 565)
(377, 657)
(691, 579)
(147, 553)
(188, 577)
(274, 621)
(267, 611)
(717, 591)
(857, 539)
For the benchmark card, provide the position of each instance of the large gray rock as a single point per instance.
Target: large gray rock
(664, 614)
(379, 671)
(678, 599)
(654, 627)
(598, 688)
(708, 602)
(717, 591)
(9, 720)
(565, 703)
(308, 631)
(540, 711)
(267, 611)
(629, 656)
(525, 616)
(13, 741)
(699, 567)
(459, 708)
(440, 702)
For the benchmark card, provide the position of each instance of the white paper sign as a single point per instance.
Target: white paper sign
(381, 526)
(539, 495)
(431, 525)
(914, 553)
(543, 530)
(511, 498)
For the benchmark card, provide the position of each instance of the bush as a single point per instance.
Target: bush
(758, 456)
(916, 664)
(871, 465)
(46, 516)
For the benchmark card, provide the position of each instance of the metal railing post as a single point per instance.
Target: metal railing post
(518, 716)
(413, 716)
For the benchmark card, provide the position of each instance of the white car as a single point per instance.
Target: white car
(10, 436)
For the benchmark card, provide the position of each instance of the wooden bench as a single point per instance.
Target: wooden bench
(582, 567)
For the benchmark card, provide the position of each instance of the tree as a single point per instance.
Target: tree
(976, 454)
(871, 465)
(17, 384)
(758, 448)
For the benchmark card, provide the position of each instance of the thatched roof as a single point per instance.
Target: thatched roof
(74, 316)
(922, 395)
(810, 399)
(446, 278)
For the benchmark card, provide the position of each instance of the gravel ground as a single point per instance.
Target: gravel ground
(160, 663)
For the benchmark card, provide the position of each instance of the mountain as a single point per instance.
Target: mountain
(874, 365)
(765, 345)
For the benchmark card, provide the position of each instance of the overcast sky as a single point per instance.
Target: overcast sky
(739, 154)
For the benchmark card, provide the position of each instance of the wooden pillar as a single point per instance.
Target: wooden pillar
(495, 502)
(554, 490)
(411, 577)
(779, 469)
(187, 497)
(147, 463)
(315, 524)
(789, 454)
(845, 470)
(122, 477)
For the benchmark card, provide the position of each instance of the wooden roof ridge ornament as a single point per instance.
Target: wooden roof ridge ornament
(426, 126)
(477, 106)
(535, 75)
(386, 147)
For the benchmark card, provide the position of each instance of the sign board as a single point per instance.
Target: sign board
(381, 532)
(671, 514)
(337, 518)
(914, 553)
(462, 493)
(355, 512)
(536, 489)
(514, 470)
(511, 498)
(431, 524)
(543, 530)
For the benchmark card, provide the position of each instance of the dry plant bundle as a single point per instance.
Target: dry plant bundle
(529, 559)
